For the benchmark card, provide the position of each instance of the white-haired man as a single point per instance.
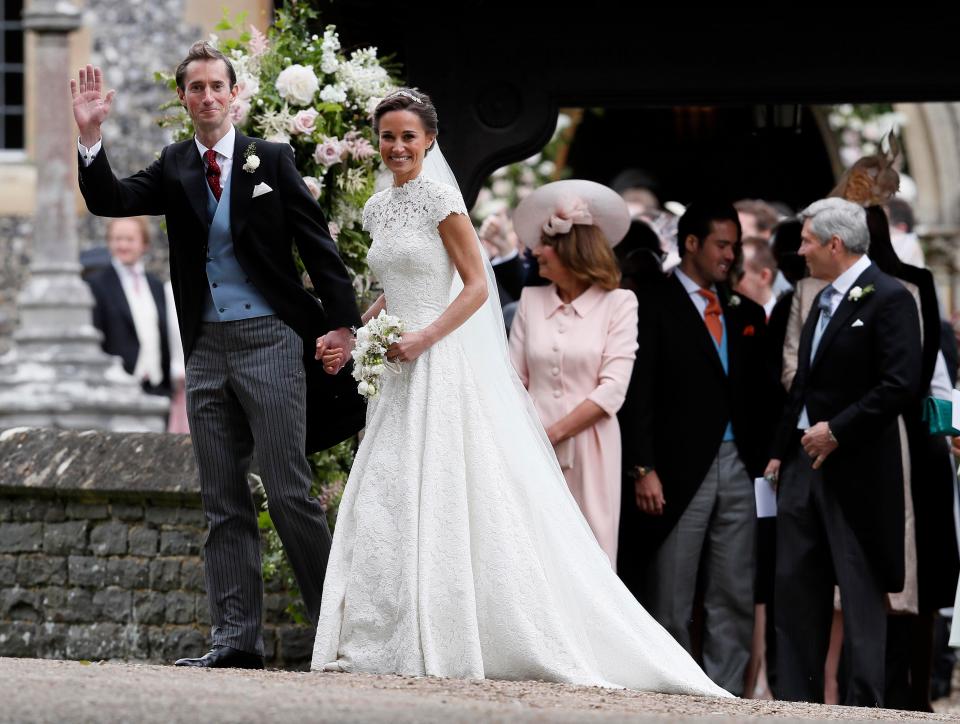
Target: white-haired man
(841, 514)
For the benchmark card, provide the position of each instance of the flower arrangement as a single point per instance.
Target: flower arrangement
(370, 352)
(299, 87)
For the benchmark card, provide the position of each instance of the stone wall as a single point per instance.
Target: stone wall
(101, 538)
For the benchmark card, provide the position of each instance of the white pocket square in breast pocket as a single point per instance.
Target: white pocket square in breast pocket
(260, 189)
(858, 323)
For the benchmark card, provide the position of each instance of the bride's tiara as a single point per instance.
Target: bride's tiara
(407, 94)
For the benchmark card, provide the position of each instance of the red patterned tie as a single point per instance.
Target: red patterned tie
(213, 173)
(711, 315)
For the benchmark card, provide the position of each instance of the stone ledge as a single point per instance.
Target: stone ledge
(94, 463)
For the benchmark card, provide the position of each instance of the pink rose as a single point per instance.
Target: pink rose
(328, 153)
(247, 87)
(314, 185)
(304, 122)
(239, 110)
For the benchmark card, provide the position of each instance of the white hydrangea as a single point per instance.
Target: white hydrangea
(363, 76)
(329, 62)
(297, 84)
(334, 93)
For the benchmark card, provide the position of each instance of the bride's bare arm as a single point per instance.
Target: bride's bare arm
(460, 241)
(374, 309)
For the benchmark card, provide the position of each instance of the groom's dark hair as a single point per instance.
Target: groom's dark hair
(202, 50)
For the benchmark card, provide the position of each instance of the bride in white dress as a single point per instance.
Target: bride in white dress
(459, 550)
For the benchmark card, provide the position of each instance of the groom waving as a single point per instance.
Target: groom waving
(234, 209)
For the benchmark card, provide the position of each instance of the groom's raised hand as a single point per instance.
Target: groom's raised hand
(90, 106)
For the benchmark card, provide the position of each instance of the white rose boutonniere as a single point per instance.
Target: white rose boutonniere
(858, 293)
(734, 300)
(251, 161)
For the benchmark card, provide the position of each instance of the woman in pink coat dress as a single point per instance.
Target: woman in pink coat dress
(574, 342)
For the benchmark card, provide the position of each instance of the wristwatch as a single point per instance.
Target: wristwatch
(641, 471)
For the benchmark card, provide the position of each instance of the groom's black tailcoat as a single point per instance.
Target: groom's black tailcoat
(265, 231)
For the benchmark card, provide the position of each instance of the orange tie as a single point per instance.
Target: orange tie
(711, 315)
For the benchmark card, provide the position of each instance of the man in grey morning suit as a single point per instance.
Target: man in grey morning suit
(234, 210)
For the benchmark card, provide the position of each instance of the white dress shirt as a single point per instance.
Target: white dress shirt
(693, 289)
(223, 147)
(842, 285)
(146, 321)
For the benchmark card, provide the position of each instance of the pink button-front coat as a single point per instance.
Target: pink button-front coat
(568, 353)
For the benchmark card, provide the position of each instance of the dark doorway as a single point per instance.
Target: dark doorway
(728, 151)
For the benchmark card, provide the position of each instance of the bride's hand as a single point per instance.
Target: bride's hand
(332, 359)
(410, 346)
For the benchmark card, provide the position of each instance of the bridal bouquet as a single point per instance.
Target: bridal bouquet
(370, 352)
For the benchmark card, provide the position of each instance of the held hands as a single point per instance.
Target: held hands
(818, 442)
(90, 106)
(334, 349)
(649, 492)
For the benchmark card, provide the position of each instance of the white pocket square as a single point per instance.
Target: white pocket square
(260, 189)
(858, 323)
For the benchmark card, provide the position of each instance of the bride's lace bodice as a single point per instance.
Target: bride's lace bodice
(407, 254)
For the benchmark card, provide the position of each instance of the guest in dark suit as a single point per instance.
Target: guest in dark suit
(910, 637)
(130, 307)
(694, 431)
(841, 508)
(235, 207)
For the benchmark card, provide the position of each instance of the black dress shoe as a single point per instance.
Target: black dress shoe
(223, 657)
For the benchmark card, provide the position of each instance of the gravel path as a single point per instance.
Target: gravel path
(36, 690)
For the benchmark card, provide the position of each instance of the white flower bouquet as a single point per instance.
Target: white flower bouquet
(370, 352)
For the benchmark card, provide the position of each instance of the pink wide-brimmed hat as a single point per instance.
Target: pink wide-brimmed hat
(555, 207)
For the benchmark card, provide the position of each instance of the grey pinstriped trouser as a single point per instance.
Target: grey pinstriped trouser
(246, 393)
(715, 538)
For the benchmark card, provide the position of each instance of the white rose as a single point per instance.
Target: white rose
(297, 84)
(363, 388)
(305, 121)
(334, 230)
(314, 186)
(252, 163)
(855, 294)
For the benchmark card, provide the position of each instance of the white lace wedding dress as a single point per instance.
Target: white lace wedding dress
(458, 548)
